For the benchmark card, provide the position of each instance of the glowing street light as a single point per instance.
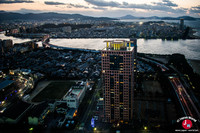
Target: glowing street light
(145, 128)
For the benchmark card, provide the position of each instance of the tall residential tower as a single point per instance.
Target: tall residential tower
(182, 24)
(118, 80)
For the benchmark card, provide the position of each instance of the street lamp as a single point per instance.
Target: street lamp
(31, 129)
(145, 128)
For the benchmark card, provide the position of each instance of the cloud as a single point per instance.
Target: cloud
(169, 3)
(165, 5)
(99, 8)
(76, 6)
(53, 3)
(156, 6)
(103, 3)
(195, 9)
(15, 1)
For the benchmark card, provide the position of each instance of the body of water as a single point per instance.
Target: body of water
(190, 47)
(15, 40)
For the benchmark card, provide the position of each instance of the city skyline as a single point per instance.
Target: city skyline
(106, 8)
(73, 73)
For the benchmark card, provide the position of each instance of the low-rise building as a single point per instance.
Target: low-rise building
(62, 108)
(71, 113)
(24, 47)
(7, 89)
(38, 114)
(75, 95)
(7, 44)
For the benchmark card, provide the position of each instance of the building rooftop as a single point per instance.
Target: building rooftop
(76, 91)
(119, 45)
(70, 113)
(62, 105)
(5, 83)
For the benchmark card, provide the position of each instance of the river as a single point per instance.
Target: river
(190, 47)
(15, 40)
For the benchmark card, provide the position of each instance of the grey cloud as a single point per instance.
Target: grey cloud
(77, 6)
(165, 5)
(99, 8)
(125, 3)
(53, 3)
(15, 1)
(169, 3)
(81, 6)
(103, 3)
(195, 9)
(153, 7)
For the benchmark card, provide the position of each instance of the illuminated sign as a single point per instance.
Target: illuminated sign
(92, 122)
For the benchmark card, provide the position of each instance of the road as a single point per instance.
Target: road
(186, 102)
(88, 110)
(162, 66)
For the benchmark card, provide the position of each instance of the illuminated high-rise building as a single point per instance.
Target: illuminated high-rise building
(181, 24)
(118, 80)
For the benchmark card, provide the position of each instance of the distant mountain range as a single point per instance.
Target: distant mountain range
(45, 16)
(51, 15)
(161, 18)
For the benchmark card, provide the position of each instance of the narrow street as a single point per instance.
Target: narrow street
(85, 119)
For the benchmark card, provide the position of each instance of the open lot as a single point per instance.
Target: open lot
(195, 64)
(154, 111)
(152, 87)
(152, 106)
(54, 90)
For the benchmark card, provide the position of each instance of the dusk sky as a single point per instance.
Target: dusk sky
(106, 8)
